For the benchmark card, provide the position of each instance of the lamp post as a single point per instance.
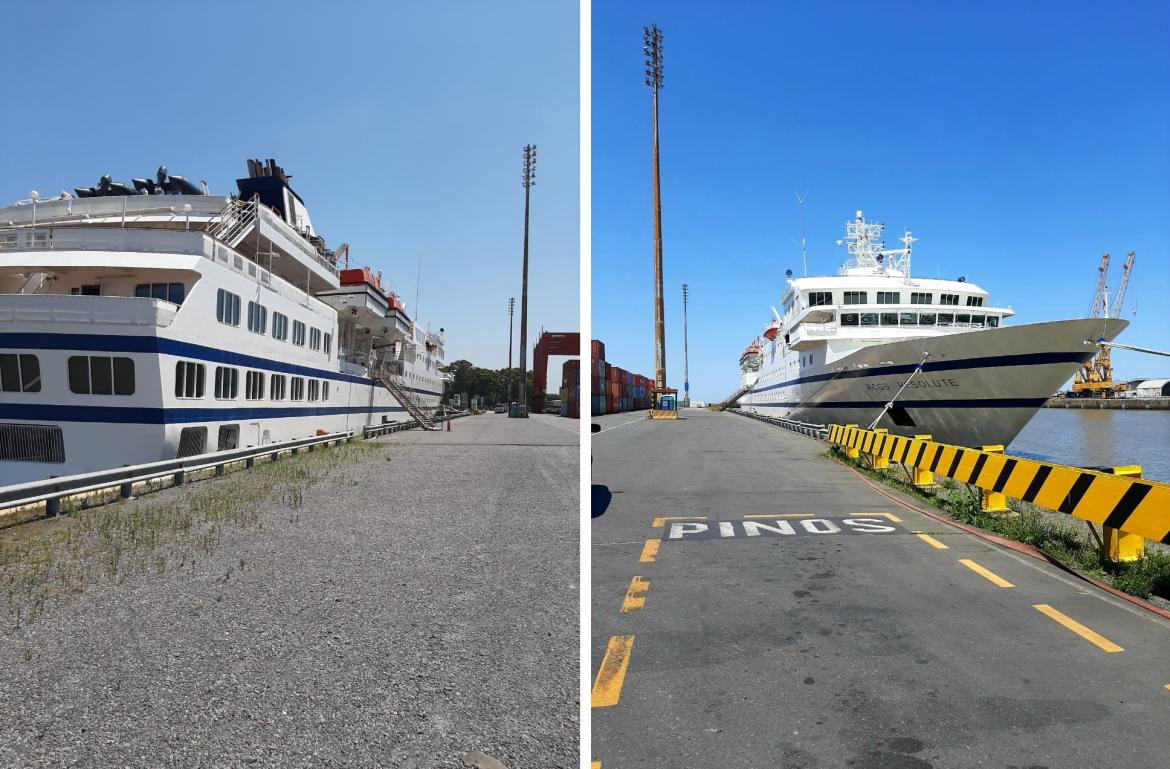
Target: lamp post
(652, 48)
(529, 176)
(511, 308)
(686, 373)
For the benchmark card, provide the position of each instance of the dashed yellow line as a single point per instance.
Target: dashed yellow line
(636, 594)
(650, 551)
(607, 687)
(931, 541)
(595, 765)
(888, 516)
(1166, 687)
(660, 522)
(990, 576)
(781, 515)
(1096, 639)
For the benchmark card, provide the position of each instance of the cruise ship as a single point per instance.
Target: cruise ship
(151, 321)
(876, 347)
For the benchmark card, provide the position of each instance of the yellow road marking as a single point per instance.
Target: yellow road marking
(650, 551)
(1167, 687)
(781, 515)
(930, 541)
(990, 576)
(659, 522)
(890, 516)
(636, 595)
(1097, 640)
(607, 687)
(595, 765)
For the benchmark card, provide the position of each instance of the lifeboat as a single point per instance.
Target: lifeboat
(772, 331)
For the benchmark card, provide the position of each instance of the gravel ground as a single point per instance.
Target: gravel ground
(422, 605)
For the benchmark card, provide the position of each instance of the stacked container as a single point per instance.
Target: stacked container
(571, 389)
(615, 390)
(597, 378)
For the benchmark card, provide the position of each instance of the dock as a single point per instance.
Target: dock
(1134, 404)
(755, 601)
(413, 605)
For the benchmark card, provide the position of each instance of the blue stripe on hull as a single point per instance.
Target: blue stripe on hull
(933, 366)
(962, 403)
(161, 346)
(160, 416)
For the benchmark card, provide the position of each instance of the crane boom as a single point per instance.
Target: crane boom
(1100, 305)
(1119, 295)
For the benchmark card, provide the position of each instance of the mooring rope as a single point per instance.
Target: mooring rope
(890, 405)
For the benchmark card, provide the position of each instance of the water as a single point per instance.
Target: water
(1099, 437)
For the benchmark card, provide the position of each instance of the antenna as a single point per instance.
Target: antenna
(803, 243)
(417, 280)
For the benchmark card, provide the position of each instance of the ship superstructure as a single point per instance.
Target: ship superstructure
(874, 346)
(145, 323)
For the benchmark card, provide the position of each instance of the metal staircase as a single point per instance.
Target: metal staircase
(234, 223)
(392, 383)
(734, 397)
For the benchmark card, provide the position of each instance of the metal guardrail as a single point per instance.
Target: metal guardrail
(1120, 500)
(810, 429)
(53, 490)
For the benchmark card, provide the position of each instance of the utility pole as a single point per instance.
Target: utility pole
(652, 48)
(511, 307)
(686, 373)
(529, 178)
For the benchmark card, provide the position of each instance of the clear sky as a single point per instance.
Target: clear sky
(1019, 141)
(402, 124)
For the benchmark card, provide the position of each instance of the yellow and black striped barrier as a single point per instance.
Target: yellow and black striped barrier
(1120, 501)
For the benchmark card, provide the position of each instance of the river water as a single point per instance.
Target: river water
(1099, 437)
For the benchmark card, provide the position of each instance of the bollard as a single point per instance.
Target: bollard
(250, 462)
(448, 424)
(52, 507)
(993, 501)
(218, 470)
(1117, 545)
(877, 461)
(850, 452)
(922, 477)
(126, 490)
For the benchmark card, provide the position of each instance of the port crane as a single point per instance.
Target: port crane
(1095, 379)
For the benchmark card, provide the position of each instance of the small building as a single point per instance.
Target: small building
(1153, 388)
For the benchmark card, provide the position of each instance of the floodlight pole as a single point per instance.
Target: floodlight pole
(652, 48)
(529, 178)
(686, 372)
(511, 308)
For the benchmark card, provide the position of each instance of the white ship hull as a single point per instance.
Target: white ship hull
(976, 388)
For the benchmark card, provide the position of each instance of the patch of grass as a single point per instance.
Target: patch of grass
(49, 562)
(1069, 541)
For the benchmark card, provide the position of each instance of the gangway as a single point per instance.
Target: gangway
(403, 395)
(742, 391)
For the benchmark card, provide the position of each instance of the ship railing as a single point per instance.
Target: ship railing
(127, 209)
(89, 310)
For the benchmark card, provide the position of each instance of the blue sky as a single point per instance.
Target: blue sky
(1018, 141)
(401, 123)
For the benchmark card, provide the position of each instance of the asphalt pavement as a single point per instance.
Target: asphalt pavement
(756, 604)
(421, 604)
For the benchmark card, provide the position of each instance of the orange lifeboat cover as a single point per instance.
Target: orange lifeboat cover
(771, 332)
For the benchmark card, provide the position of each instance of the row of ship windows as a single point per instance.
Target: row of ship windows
(106, 375)
(917, 319)
(191, 378)
(227, 311)
(820, 298)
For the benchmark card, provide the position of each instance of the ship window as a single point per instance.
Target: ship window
(88, 289)
(278, 381)
(992, 321)
(100, 375)
(20, 373)
(869, 318)
(977, 320)
(298, 388)
(855, 297)
(189, 378)
(945, 318)
(908, 318)
(192, 441)
(963, 318)
(257, 317)
(849, 319)
(328, 344)
(974, 301)
(32, 443)
(279, 326)
(889, 318)
(818, 298)
(325, 389)
(314, 389)
(314, 339)
(298, 333)
(889, 297)
(254, 385)
(168, 292)
(921, 298)
(926, 318)
(227, 307)
(229, 437)
(948, 299)
(227, 382)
